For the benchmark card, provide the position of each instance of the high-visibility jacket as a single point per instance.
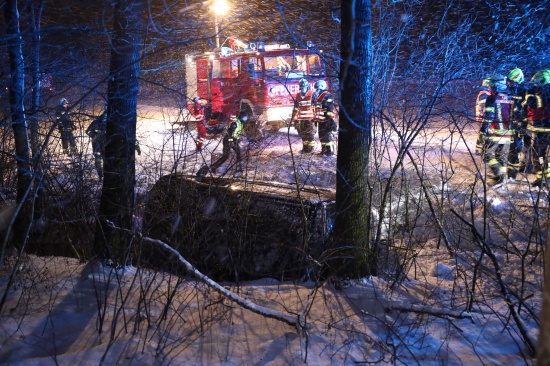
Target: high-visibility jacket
(518, 92)
(197, 111)
(480, 104)
(323, 105)
(498, 113)
(303, 107)
(235, 129)
(537, 109)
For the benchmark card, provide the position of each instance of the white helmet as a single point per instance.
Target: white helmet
(321, 85)
(304, 85)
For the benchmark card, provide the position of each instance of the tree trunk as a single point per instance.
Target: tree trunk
(543, 351)
(35, 14)
(117, 199)
(19, 123)
(351, 228)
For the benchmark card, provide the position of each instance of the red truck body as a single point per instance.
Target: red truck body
(261, 80)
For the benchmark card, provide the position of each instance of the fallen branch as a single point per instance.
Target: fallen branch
(269, 313)
(422, 309)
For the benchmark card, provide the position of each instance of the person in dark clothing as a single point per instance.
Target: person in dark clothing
(231, 135)
(66, 126)
(96, 131)
(498, 116)
(521, 141)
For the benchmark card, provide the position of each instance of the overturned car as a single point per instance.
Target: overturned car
(238, 229)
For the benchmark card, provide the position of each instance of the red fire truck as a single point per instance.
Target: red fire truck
(259, 79)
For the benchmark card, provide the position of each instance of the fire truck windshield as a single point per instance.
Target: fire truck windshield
(293, 66)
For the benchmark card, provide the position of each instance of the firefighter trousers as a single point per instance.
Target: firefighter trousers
(228, 145)
(496, 157)
(306, 129)
(541, 143)
(325, 137)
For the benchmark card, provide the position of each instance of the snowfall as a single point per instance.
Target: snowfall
(63, 312)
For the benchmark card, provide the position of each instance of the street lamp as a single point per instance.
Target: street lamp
(220, 7)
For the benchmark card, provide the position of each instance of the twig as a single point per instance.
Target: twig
(422, 309)
(269, 313)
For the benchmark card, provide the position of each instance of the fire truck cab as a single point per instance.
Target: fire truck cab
(260, 80)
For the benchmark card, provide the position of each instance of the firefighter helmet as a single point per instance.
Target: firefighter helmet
(516, 75)
(304, 85)
(243, 116)
(485, 83)
(63, 101)
(321, 85)
(196, 100)
(542, 77)
(497, 82)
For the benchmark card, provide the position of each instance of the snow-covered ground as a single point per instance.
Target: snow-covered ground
(53, 314)
(271, 159)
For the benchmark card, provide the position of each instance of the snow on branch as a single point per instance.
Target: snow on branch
(428, 310)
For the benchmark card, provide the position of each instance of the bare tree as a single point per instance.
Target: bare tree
(351, 231)
(117, 200)
(19, 122)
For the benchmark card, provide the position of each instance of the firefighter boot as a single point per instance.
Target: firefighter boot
(540, 183)
(328, 150)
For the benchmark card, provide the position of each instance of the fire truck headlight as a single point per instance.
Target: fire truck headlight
(252, 46)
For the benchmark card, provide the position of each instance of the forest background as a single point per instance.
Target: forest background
(435, 224)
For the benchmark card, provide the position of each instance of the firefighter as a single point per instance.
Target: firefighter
(498, 116)
(537, 108)
(96, 131)
(231, 136)
(323, 107)
(521, 140)
(480, 110)
(66, 126)
(197, 111)
(303, 116)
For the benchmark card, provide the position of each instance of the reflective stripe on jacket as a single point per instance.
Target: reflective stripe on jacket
(498, 113)
(322, 106)
(304, 107)
(480, 105)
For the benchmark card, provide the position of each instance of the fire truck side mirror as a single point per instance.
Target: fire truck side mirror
(261, 46)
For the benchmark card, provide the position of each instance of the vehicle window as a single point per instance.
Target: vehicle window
(225, 69)
(293, 66)
(251, 66)
(315, 66)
